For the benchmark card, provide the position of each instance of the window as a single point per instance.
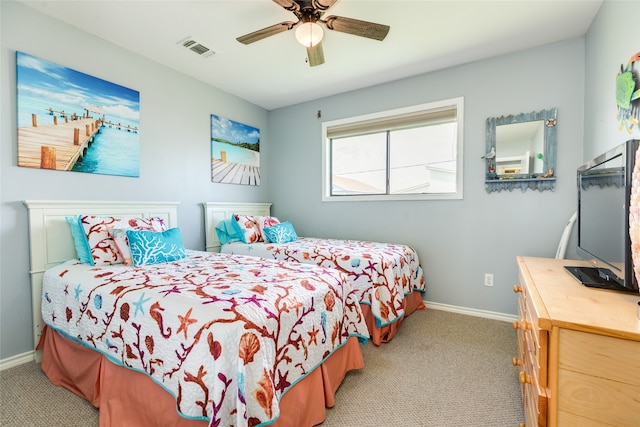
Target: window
(413, 153)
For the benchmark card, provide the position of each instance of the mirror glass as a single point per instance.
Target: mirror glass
(521, 151)
(520, 148)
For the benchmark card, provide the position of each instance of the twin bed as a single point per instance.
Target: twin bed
(203, 338)
(207, 339)
(387, 278)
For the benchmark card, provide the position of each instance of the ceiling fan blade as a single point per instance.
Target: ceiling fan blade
(288, 4)
(357, 27)
(322, 5)
(266, 32)
(315, 55)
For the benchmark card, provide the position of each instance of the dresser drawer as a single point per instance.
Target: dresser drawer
(601, 356)
(531, 339)
(600, 379)
(535, 403)
(535, 399)
(532, 353)
(538, 339)
(517, 326)
(598, 400)
(519, 360)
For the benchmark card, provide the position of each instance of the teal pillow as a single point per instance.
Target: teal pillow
(227, 231)
(80, 240)
(281, 233)
(155, 247)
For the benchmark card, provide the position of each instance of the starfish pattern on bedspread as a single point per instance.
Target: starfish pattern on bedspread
(227, 336)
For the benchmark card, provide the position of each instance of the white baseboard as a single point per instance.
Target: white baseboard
(471, 311)
(16, 360)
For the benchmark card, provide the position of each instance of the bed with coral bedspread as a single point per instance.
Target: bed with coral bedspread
(207, 339)
(388, 278)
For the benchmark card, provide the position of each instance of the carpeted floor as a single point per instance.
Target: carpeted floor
(442, 369)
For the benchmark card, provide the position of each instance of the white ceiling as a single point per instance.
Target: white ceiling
(425, 35)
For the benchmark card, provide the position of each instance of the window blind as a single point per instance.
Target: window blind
(403, 121)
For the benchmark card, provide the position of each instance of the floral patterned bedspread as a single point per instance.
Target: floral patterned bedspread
(226, 335)
(381, 273)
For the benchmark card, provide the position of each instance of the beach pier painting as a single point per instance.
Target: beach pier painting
(235, 152)
(71, 121)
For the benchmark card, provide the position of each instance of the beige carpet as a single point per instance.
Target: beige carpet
(442, 369)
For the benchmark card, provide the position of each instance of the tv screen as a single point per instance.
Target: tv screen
(604, 195)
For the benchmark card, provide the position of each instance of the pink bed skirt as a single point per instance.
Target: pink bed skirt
(412, 302)
(128, 398)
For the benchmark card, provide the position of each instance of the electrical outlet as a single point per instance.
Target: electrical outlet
(488, 279)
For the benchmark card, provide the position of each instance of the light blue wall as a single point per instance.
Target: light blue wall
(175, 150)
(613, 37)
(458, 241)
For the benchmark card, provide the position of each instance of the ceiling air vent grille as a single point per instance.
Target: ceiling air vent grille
(196, 46)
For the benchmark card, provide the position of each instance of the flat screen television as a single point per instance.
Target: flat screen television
(606, 234)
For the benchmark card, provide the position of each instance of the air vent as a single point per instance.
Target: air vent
(195, 46)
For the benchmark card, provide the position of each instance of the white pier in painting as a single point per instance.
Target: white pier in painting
(234, 173)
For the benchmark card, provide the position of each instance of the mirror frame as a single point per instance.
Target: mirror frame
(537, 181)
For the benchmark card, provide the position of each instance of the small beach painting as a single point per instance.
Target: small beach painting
(71, 121)
(235, 152)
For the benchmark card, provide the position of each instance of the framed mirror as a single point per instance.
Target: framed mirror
(521, 151)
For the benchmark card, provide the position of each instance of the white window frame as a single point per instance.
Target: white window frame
(458, 103)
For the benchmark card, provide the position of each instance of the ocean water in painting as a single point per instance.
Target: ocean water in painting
(235, 154)
(114, 152)
(239, 142)
(44, 86)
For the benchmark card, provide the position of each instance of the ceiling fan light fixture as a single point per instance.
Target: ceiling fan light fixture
(309, 34)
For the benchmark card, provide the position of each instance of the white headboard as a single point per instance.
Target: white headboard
(214, 212)
(50, 240)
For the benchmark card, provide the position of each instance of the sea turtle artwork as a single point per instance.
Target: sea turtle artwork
(628, 94)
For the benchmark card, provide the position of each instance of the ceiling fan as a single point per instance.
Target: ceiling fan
(309, 32)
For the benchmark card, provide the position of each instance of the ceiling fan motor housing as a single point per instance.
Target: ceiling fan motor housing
(311, 11)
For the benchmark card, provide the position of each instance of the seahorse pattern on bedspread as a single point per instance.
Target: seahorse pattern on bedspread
(381, 273)
(227, 336)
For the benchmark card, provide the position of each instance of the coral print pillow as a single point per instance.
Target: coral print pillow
(248, 228)
(121, 240)
(281, 233)
(102, 246)
(150, 247)
(266, 222)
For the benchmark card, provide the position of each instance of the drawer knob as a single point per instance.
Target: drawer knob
(516, 324)
(516, 362)
(524, 325)
(517, 289)
(524, 378)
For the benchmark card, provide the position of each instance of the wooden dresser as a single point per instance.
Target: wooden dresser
(578, 349)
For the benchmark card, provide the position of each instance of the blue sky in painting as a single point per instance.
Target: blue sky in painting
(233, 131)
(57, 85)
